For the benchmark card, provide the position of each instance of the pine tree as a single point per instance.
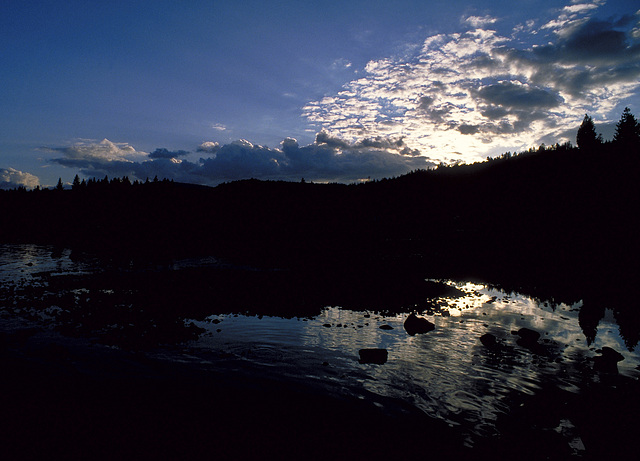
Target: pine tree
(59, 186)
(76, 183)
(587, 138)
(627, 133)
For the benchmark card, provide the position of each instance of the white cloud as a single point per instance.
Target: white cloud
(209, 147)
(580, 8)
(103, 151)
(11, 178)
(478, 92)
(479, 21)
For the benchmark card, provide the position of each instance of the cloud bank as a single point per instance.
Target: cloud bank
(11, 178)
(327, 159)
(477, 91)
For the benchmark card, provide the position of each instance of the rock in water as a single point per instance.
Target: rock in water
(377, 356)
(488, 340)
(528, 337)
(608, 361)
(415, 325)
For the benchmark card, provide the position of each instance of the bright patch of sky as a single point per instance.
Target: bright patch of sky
(339, 90)
(466, 95)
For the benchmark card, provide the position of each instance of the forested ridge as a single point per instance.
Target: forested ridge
(568, 212)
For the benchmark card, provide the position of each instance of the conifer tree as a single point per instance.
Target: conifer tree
(627, 133)
(76, 183)
(587, 138)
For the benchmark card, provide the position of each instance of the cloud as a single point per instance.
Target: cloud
(479, 21)
(517, 96)
(478, 91)
(209, 147)
(329, 158)
(103, 151)
(105, 157)
(165, 153)
(468, 129)
(11, 178)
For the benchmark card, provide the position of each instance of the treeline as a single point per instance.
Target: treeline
(99, 184)
(559, 212)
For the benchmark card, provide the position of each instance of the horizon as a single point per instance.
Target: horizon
(197, 92)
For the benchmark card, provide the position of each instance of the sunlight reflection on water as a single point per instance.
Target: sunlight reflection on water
(447, 373)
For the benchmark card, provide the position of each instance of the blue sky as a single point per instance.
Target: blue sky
(211, 91)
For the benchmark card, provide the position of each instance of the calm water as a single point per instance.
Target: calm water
(446, 373)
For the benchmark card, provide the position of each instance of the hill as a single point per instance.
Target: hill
(558, 215)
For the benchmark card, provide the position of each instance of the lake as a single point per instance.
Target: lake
(473, 372)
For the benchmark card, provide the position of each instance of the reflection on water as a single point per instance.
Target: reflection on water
(447, 373)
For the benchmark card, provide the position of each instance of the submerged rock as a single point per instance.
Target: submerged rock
(529, 340)
(608, 361)
(489, 341)
(377, 356)
(528, 337)
(386, 327)
(415, 325)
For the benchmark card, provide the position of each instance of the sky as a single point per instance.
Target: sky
(213, 91)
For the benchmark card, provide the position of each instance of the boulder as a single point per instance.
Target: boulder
(386, 327)
(489, 341)
(608, 361)
(415, 325)
(528, 338)
(377, 356)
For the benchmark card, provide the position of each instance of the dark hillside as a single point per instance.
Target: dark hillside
(556, 214)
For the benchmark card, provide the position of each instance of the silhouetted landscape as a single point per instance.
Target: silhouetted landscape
(558, 223)
(569, 212)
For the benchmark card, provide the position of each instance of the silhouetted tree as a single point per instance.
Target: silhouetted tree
(59, 186)
(587, 138)
(627, 133)
(76, 183)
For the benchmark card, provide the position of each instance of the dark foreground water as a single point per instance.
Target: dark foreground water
(484, 388)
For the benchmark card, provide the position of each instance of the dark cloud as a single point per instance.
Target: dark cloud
(510, 95)
(593, 42)
(425, 103)
(165, 153)
(494, 112)
(323, 137)
(329, 158)
(436, 114)
(468, 129)
(587, 57)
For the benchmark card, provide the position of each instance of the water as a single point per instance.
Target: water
(447, 373)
